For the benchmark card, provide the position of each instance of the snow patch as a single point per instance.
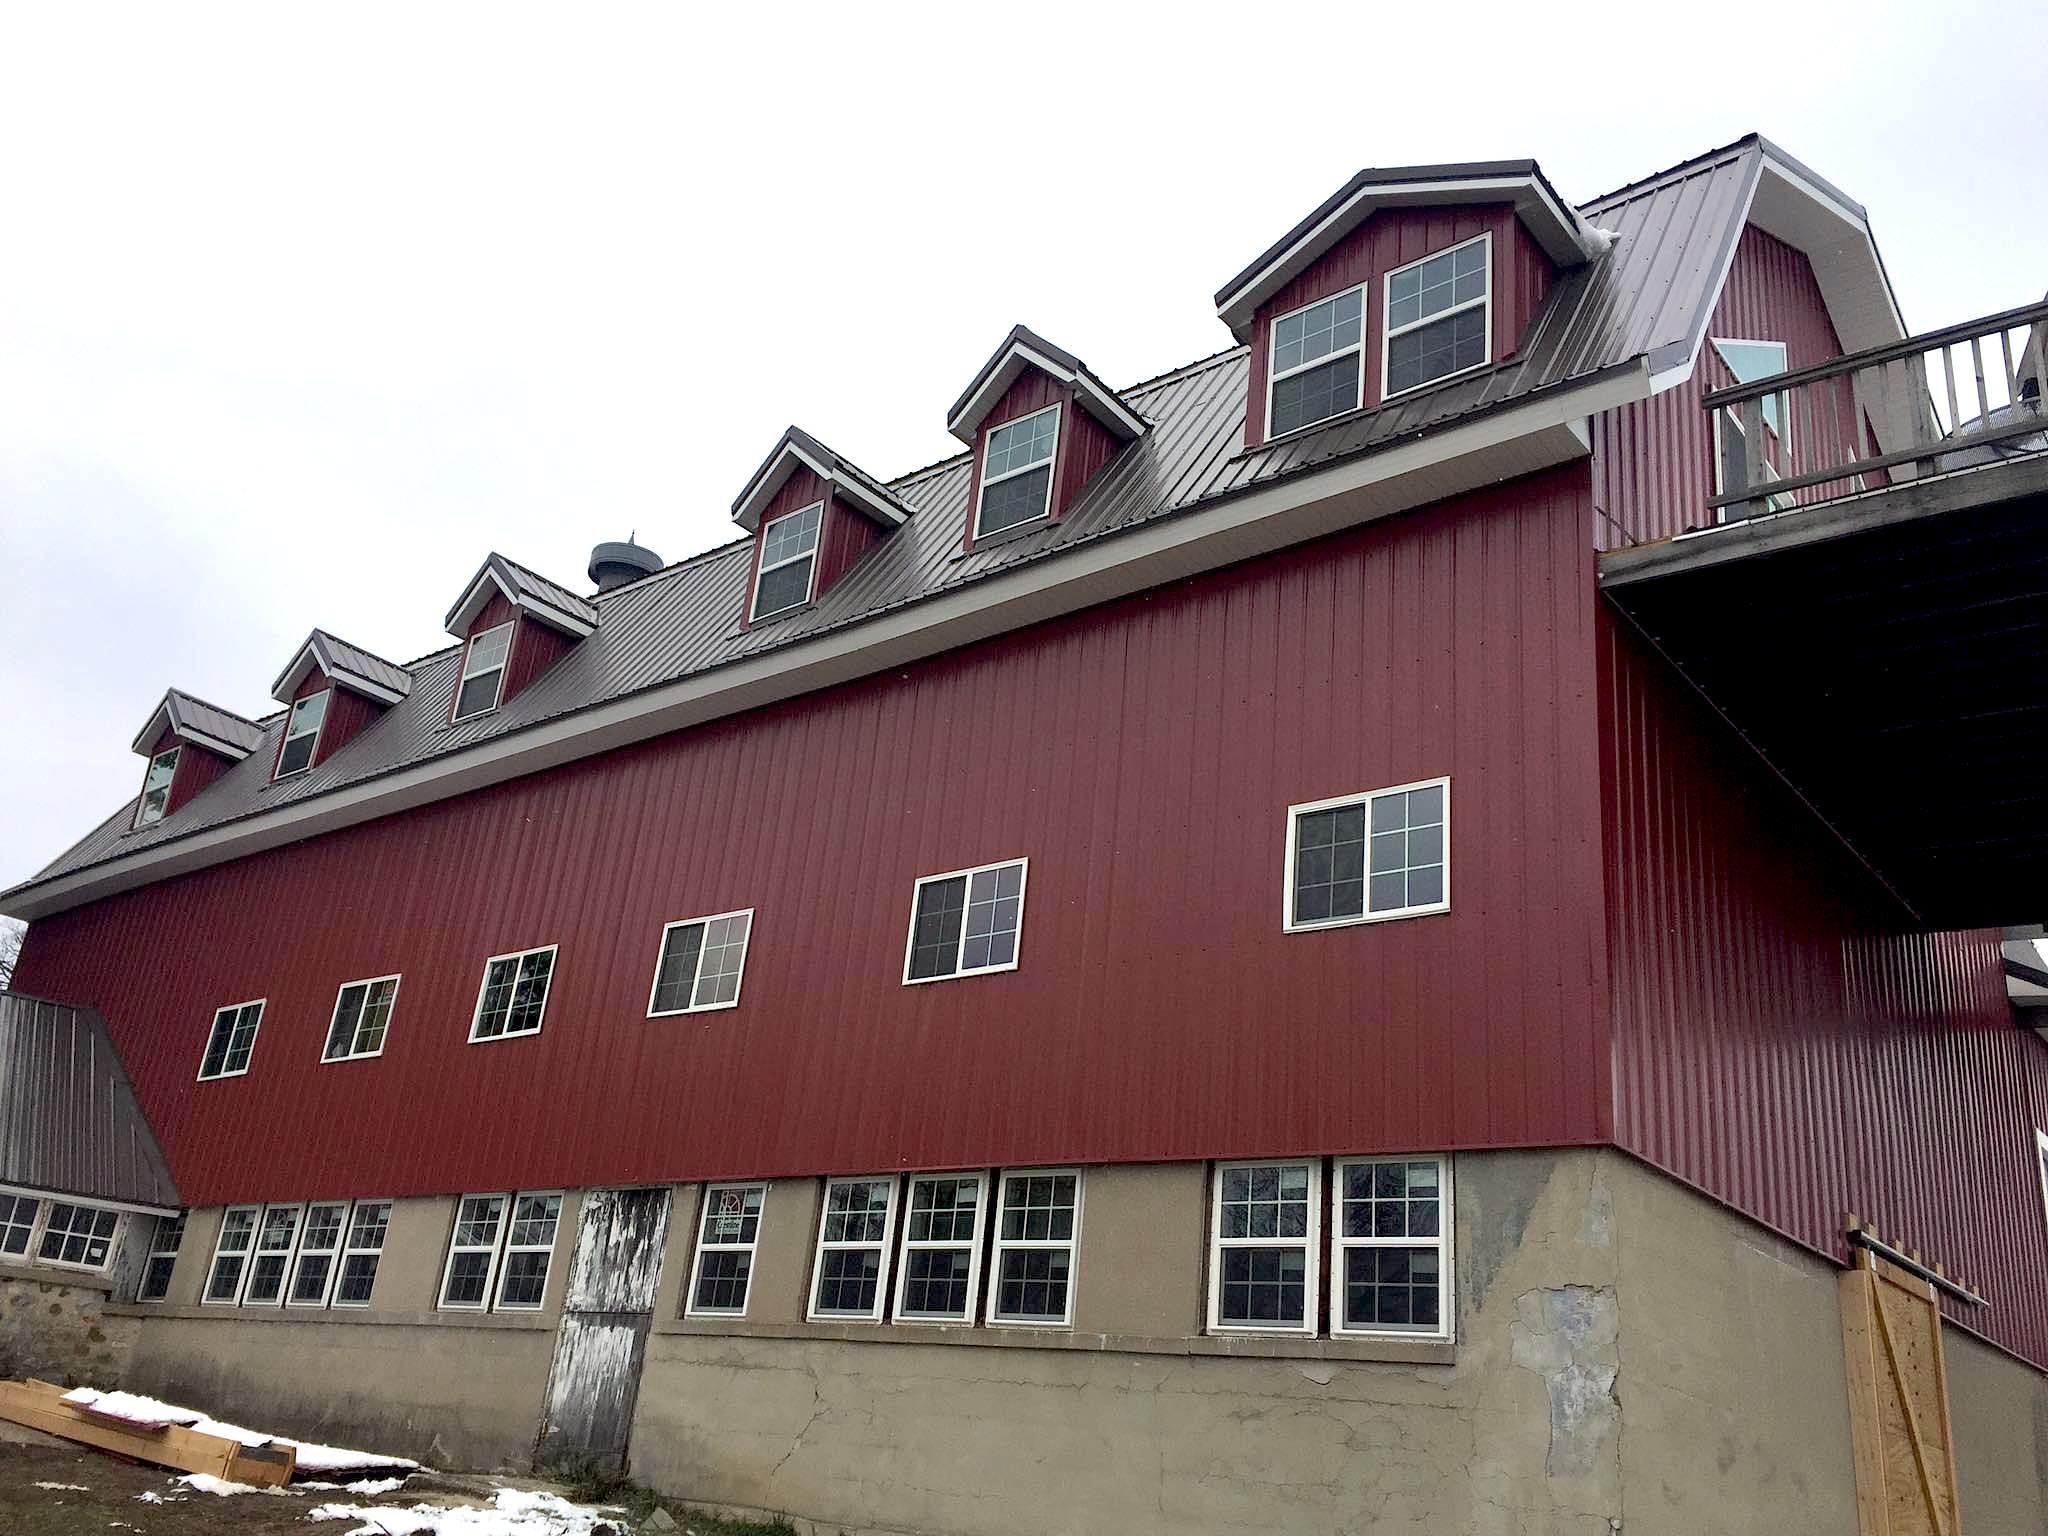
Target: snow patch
(513, 1512)
(149, 1412)
(65, 1487)
(220, 1487)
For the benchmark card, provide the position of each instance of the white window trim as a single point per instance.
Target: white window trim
(1310, 1243)
(1051, 463)
(1724, 419)
(506, 1248)
(690, 1307)
(1365, 798)
(661, 953)
(1273, 378)
(365, 982)
(246, 1255)
(262, 1006)
(333, 1255)
(497, 693)
(45, 1204)
(1389, 331)
(156, 1251)
(278, 770)
(763, 568)
(910, 936)
(495, 1249)
(1032, 1244)
(291, 1253)
(2041, 1166)
(965, 1318)
(349, 1250)
(1446, 1310)
(142, 801)
(887, 1244)
(476, 1019)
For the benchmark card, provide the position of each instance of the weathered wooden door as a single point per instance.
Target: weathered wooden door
(1898, 1403)
(595, 1379)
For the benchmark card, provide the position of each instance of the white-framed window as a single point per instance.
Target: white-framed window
(230, 1266)
(724, 1270)
(302, 734)
(165, 1239)
(1263, 1234)
(156, 787)
(231, 1041)
(473, 1252)
(78, 1236)
(1314, 367)
(789, 561)
(2041, 1155)
(276, 1236)
(500, 1250)
(319, 1246)
(483, 672)
(850, 1279)
(1366, 858)
(939, 1273)
(700, 964)
(1390, 1256)
(965, 922)
(1016, 472)
(513, 995)
(1038, 1226)
(364, 1246)
(529, 1249)
(1439, 317)
(362, 1014)
(1748, 361)
(17, 1223)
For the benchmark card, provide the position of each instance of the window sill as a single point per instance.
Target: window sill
(514, 1321)
(1006, 536)
(13, 1268)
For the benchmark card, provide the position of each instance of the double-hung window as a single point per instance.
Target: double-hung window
(231, 1255)
(1262, 1254)
(1016, 472)
(1038, 1222)
(302, 734)
(483, 672)
(78, 1236)
(156, 787)
(276, 1236)
(514, 994)
(164, 1242)
(17, 1223)
(367, 1224)
(232, 1041)
(1439, 317)
(1363, 858)
(1747, 362)
(487, 1250)
(726, 1237)
(362, 1013)
(967, 921)
(1391, 1272)
(1313, 371)
(941, 1266)
(849, 1279)
(473, 1252)
(313, 1269)
(789, 561)
(529, 1248)
(700, 964)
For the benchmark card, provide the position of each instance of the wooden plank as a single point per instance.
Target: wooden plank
(1857, 1289)
(1908, 1385)
(38, 1405)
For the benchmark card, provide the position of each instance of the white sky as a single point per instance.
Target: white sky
(300, 315)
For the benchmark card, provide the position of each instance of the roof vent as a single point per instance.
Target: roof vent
(614, 564)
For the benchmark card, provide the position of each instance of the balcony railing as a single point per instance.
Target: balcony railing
(1951, 399)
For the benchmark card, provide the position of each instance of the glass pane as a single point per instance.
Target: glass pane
(1329, 857)
(1016, 444)
(935, 931)
(677, 978)
(785, 587)
(1263, 1287)
(1015, 501)
(1031, 1285)
(1315, 394)
(847, 1280)
(722, 1276)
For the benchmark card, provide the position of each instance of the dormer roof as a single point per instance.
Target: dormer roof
(797, 449)
(529, 592)
(202, 724)
(349, 665)
(1558, 228)
(1022, 349)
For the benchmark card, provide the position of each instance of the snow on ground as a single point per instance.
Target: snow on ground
(312, 1459)
(65, 1487)
(220, 1487)
(513, 1512)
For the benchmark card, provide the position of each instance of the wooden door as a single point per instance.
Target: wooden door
(606, 1316)
(1898, 1403)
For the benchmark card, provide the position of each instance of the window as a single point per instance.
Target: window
(162, 1258)
(232, 1040)
(472, 1252)
(529, 1246)
(366, 1228)
(1391, 1273)
(514, 994)
(231, 1255)
(362, 1012)
(486, 1247)
(964, 922)
(17, 1221)
(313, 1270)
(1038, 1220)
(275, 1237)
(1262, 1256)
(853, 1249)
(301, 734)
(700, 964)
(1016, 472)
(483, 672)
(725, 1250)
(789, 557)
(1364, 858)
(156, 787)
(1747, 362)
(941, 1266)
(1313, 370)
(78, 1236)
(2041, 1151)
(1439, 317)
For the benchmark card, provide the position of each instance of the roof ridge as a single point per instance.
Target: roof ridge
(1695, 163)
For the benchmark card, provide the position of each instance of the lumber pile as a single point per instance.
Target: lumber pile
(158, 1438)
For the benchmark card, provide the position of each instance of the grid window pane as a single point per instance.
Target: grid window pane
(943, 1210)
(1318, 331)
(472, 1247)
(1329, 864)
(1407, 849)
(17, 1221)
(361, 1014)
(857, 1211)
(467, 1278)
(1265, 1202)
(164, 1243)
(515, 993)
(1031, 1284)
(853, 1247)
(967, 922)
(935, 930)
(1263, 1287)
(732, 1215)
(1429, 352)
(935, 1282)
(1015, 501)
(1315, 394)
(78, 1234)
(367, 1225)
(1017, 444)
(730, 1226)
(529, 1246)
(722, 1277)
(724, 956)
(1392, 1288)
(156, 787)
(302, 734)
(789, 548)
(1039, 1209)
(941, 1235)
(483, 666)
(274, 1240)
(1392, 1222)
(230, 1254)
(232, 1040)
(1034, 1250)
(847, 1280)
(358, 1278)
(788, 538)
(526, 1280)
(676, 976)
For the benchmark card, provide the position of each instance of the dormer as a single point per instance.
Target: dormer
(189, 744)
(1040, 425)
(514, 624)
(330, 691)
(1403, 280)
(812, 514)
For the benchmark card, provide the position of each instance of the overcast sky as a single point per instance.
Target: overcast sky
(299, 317)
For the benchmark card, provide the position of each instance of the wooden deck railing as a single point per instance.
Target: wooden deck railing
(1949, 399)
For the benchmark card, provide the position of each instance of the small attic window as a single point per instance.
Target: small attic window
(483, 672)
(1016, 472)
(1439, 317)
(1316, 371)
(789, 559)
(302, 734)
(156, 787)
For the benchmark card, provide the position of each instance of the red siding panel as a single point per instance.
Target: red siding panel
(196, 769)
(535, 648)
(348, 715)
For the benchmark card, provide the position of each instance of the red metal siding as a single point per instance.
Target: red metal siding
(535, 648)
(1141, 754)
(348, 715)
(1085, 446)
(1781, 1041)
(196, 769)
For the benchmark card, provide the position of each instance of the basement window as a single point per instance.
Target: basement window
(514, 995)
(529, 1248)
(725, 1250)
(1262, 1254)
(483, 673)
(277, 1235)
(313, 1270)
(964, 922)
(1439, 317)
(232, 1041)
(164, 1242)
(853, 1250)
(156, 787)
(17, 1221)
(367, 1224)
(700, 964)
(486, 1250)
(302, 734)
(1016, 472)
(789, 559)
(1313, 370)
(78, 1236)
(1038, 1221)
(362, 1013)
(1390, 1254)
(940, 1270)
(231, 1255)
(1367, 858)
(472, 1252)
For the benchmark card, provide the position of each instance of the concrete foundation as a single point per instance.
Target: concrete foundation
(57, 1328)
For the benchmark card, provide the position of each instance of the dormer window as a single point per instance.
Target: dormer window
(483, 672)
(1316, 366)
(789, 559)
(156, 788)
(302, 734)
(1439, 318)
(1016, 473)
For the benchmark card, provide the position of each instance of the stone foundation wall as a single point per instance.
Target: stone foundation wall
(58, 1329)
